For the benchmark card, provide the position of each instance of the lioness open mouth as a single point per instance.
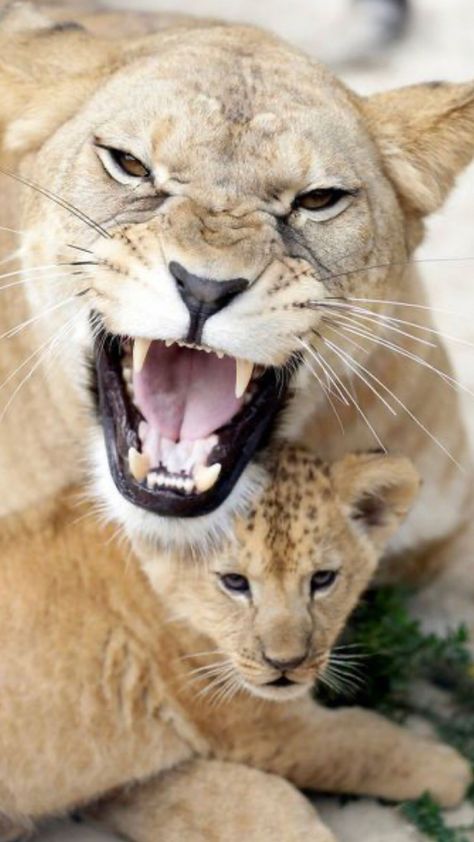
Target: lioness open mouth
(181, 422)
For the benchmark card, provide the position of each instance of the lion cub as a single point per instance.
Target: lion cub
(114, 673)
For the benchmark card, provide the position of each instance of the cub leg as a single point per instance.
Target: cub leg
(355, 751)
(207, 800)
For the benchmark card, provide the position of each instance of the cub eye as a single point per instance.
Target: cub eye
(322, 580)
(321, 199)
(235, 583)
(129, 164)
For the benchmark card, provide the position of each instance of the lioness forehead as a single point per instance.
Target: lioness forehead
(204, 102)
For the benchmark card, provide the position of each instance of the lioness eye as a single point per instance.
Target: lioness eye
(322, 580)
(129, 164)
(235, 583)
(321, 199)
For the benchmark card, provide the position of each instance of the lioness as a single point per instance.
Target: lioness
(214, 238)
(107, 681)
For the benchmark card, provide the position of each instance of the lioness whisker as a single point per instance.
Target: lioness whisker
(454, 384)
(36, 280)
(63, 203)
(355, 403)
(367, 383)
(28, 322)
(414, 306)
(390, 265)
(79, 248)
(326, 393)
(345, 357)
(12, 256)
(383, 318)
(316, 356)
(46, 349)
(12, 230)
(385, 321)
(33, 269)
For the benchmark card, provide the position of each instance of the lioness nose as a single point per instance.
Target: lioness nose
(289, 664)
(203, 297)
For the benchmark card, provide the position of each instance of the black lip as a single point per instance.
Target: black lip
(283, 681)
(238, 441)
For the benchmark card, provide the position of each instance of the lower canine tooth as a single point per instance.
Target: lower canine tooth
(206, 476)
(243, 376)
(140, 350)
(139, 464)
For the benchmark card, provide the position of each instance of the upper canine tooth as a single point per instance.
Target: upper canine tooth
(243, 376)
(139, 464)
(140, 350)
(205, 476)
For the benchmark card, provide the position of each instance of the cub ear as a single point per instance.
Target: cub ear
(46, 73)
(376, 491)
(425, 134)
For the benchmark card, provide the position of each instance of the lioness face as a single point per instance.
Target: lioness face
(231, 188)
(274, 600)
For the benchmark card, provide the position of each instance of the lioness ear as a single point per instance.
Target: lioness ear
(46, 72)
(376, 490)
(425, 134)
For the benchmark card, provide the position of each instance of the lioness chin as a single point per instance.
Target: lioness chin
(180, 676)
(215, 237)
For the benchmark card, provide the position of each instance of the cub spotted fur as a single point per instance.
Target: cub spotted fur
(156, 688)
(207, 205)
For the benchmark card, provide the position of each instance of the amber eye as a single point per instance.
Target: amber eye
(322, 580)
(235, 583)
(129, 164)
(316, 200)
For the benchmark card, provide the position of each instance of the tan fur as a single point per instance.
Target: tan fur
(112, 674)
(171, 95)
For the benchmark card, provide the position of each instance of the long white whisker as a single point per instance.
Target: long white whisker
(454, 384)
(38, 280)
(11, 230)
(33, 269)
(316, 357)
(379, 319)
(355, 404)
(18, 328)
(382, 317)
(34, 368)
(12, 256)
(323, 389)
(403, 406)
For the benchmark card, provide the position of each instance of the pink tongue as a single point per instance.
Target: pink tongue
(185, 394)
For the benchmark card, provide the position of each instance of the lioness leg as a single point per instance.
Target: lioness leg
(213, 801)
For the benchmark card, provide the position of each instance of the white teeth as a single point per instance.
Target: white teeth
(220, 354)
(206, 476)
(139, 464)
(140, 350)
(169, 343)
(243, 376)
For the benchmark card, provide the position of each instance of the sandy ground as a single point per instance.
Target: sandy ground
(440, 45)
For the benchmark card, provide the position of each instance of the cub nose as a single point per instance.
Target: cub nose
(203, 297)
(286, 665)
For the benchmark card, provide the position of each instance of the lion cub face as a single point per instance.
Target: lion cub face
(275, 600)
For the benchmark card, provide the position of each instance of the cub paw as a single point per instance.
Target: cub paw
(445, 774)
